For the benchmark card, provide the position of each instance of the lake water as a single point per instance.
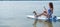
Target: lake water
(13, 13)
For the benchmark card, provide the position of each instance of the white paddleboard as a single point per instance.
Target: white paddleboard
(42, 17)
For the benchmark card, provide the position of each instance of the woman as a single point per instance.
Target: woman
(48, 13)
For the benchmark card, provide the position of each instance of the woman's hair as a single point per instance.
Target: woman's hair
(51, 5)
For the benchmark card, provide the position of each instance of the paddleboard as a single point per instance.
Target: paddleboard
(42, 17)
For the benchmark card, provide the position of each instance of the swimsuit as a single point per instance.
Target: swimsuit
(50, 14)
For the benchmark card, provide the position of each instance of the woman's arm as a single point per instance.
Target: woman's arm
(45, 9)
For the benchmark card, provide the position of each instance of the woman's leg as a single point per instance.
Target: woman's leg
(45, 14)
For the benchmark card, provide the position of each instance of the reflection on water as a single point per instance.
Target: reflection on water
(45, 23)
